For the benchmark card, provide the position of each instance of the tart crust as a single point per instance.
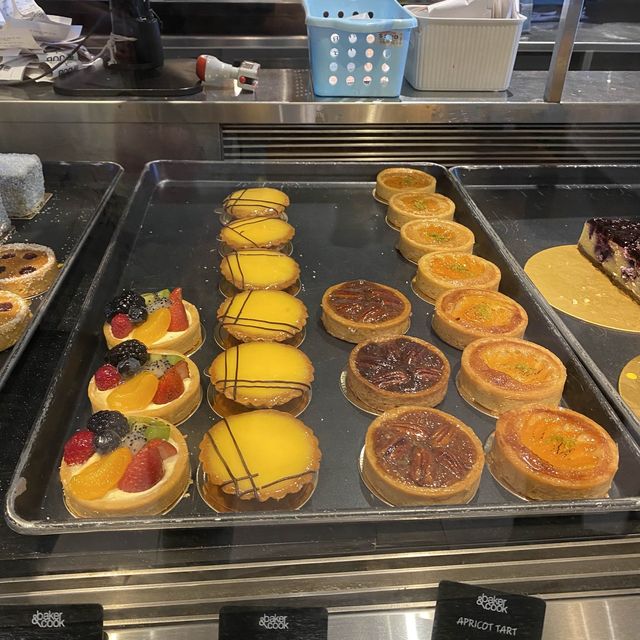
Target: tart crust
(408, 206)
(145, 503)
(545, 453)
(261, 232)
(34, 282)
(415, 456)
(15, 316)
(464, 315)
(398, 179)
(392, 371)
(501, 374)
(256, 201)
(358, 309)
(251, 269)
(421, 237)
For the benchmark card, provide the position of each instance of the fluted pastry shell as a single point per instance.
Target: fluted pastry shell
(421, 237)
(408, 206)
(256, 233)
(29, 284)
(398, 179)
(252, 269)
(255, 201)
(13, 320)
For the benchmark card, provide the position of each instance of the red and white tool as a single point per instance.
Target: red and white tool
(210, 70)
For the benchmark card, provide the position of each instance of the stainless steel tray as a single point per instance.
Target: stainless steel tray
(79, 191)
(168, 238)
(532, 208)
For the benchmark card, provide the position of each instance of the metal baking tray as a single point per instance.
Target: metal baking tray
(168, 238)
(532, 208)
(79, 191)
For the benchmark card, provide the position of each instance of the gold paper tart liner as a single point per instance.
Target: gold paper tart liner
(30, 215)
(286, 248)
(228, 290)
(225, 407)
(225, 340)
(629, 385)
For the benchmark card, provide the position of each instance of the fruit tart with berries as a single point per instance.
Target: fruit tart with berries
(119, 466)
(136, 381)
(160, 320)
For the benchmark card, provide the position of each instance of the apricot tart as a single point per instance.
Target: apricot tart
(415, 456)
(119, 466)
(14, 318)
(504, 373)
(439, 272)
(27, 269)
(262, 316)
(261, 374)
(398, 179)
(256, 201)
(550, 453)
(259, 269)
(260, 455)
(256, 233)
(161, 320)
(408, 206)
(359, 309)
(420, 237)
(464, 315)
(159, 384)
(392, 371)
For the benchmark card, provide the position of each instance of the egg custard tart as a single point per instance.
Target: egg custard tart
(27, 269)
(256, 233)
(415, 456)
(14, 318)
(500, 374)
(464, 315)
(439, 272)
(420, 237)
(398, 179)
(256, 201)
(408, 206)
(358, 309)
(261, 374)
(259, 269)
(261, 455)
(551, 453)
(393, 371)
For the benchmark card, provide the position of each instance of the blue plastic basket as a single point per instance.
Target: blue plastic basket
(357, 56)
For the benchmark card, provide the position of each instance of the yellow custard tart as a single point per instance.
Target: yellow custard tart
(259, 269)
(27, 269)
(439, 272)
(551, 453)
(262, 316)
(500, 374)
(14, 318)
(256, 233)
(261, 455)
(256, 201)
(420, 237)
(464, 315)
(398, 179)
(408, 206)
(261, 374)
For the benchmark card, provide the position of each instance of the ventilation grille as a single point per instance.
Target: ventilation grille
(446, 144)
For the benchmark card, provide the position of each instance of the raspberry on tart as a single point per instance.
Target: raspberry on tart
(27, 269)
(420, 237)
(408, 206)
(399, 179)
(256, 201)
(15, 316)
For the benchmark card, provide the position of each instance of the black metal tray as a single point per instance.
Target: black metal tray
(79, 191)
(168, 238)
(533, 208)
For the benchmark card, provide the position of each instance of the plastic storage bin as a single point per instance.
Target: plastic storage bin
(475, 54)
(357, 48)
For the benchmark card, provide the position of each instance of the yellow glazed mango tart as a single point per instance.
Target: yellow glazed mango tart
(262, 316)
(439, 272)
(27, 269)
(398, 179)
(551, 453)
(259, 269)
(500, 374)
(261, 374)
(408, 206)
(14, 318)
(256, 201)
(360, 309)
(256, 233)
(260, 455)
(415, 456)
(420, 237)
(464, 315)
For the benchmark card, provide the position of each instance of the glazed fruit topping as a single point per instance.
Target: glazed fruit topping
(179, 319)
(79, 448)
(106, 441)
(29, 255)
(158, 431)
(100, 477)
(25, 270)
(400, 365)
(155, 327)
(164, 448)
(159, 300)
(2, 269)
(121, 326)
(134, 441)
(107, 377)
(124, 303)
(170, 387)
(122, 355)
(102, 421)
(363, 301)
(6, 306)
(134, 394)
(144, 471)
(6, 256)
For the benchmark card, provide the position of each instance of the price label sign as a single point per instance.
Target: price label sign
(273, 623)
(51, 622)
(467, 612)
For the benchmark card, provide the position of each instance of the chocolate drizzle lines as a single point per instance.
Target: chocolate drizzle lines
(245, 223)
(228, 319)
(229, 202)
(250, 253)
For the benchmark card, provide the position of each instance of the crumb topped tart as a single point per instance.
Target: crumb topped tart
(256, 233)
(421, 237)
(27, 269)
(250, 269)
(408, 206)
(14, 318)
(398, 179)
(256, 201)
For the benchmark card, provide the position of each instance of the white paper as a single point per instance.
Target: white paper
(460, 9)
(12, 72)
(15, 35)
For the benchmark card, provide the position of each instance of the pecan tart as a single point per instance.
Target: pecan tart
(398, 179)
(408, 206)
(359, 309)
(392, 371)
(500, 374)
(420, 237)
(415, 456)
(551, 453)
(27, 269)
(14, 318)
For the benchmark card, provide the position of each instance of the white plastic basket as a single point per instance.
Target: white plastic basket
(447, 54)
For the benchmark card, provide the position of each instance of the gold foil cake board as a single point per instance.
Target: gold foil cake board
(629, 385)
